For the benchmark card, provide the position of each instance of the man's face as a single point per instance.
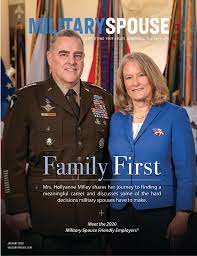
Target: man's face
(66, 60)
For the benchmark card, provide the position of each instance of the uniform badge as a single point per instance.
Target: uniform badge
(49, 141)
(101, 143)
(48, 106)
(158, 132)
(97, 121)
(6, 181)
(97, 97)
(48, 114)
(99, 109)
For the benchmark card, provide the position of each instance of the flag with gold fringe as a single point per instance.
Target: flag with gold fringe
(180, 70)
(108, 49)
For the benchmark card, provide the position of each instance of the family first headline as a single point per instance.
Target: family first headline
(109, 26)
(91, 167)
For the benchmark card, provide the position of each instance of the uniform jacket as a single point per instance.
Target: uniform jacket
(165, 142)
(41, 123)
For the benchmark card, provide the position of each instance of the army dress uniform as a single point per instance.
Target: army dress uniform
(41, 123)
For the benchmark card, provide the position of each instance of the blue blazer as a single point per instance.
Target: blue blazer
(157, 168)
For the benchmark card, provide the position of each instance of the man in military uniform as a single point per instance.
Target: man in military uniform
(51, 125)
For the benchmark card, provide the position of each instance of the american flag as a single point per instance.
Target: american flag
(7, 90)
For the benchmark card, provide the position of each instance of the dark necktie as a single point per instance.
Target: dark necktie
(71, 99)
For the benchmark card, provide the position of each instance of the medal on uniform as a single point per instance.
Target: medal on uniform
(101, 143)
(48, 114)
(97, 121)
(99, 109)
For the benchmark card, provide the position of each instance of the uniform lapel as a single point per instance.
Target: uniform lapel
(55, 95)
(86, 101)
(154, 111)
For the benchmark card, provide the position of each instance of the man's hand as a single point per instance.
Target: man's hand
(177, 228)
(19, 221)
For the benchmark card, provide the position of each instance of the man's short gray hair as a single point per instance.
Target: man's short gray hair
(64, 33)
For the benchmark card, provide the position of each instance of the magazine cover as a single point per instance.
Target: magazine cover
(98, 127)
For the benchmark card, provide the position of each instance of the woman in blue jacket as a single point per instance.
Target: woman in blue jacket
(153, 161)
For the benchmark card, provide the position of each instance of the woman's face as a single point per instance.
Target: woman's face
(136, 83)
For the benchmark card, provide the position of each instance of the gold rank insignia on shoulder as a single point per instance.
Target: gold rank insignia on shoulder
(157, 131)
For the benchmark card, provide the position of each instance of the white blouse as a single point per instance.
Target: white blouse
(136, 128)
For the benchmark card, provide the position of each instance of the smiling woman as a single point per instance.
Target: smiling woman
(148, 131)
(136, 82)
(139, 78)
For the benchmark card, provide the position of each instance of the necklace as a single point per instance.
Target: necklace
(138, 117)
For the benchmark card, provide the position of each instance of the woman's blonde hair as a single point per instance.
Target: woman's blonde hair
(154, 75)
